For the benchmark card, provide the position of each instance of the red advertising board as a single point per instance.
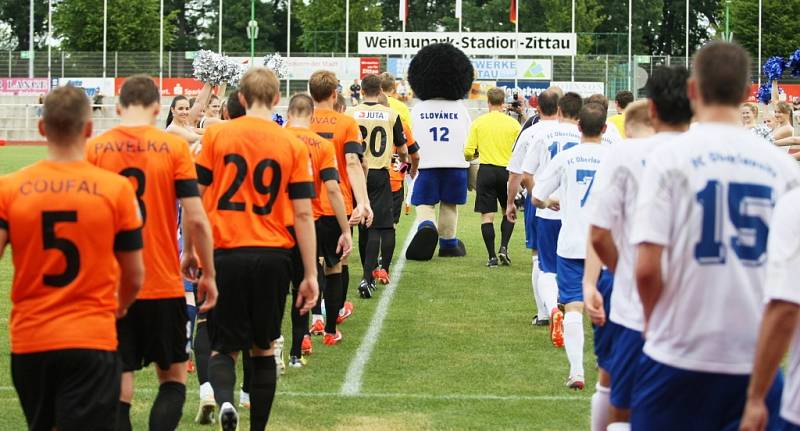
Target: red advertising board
(791, 91)
(24, 86)
(170, 86)
(370, 66)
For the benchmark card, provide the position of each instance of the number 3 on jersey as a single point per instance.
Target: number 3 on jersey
(750, 241)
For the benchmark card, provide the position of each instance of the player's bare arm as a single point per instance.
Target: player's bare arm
(307, 241)
(604, 246)
(362, 213)
(412, 172)
(648, 276)
(196, 225)
(131, 278)
(200, 103)
(3, 241)
(514, 182)
(777, 330)
(345, 245)
(593, 300)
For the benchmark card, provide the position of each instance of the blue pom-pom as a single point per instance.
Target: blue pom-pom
(277, 118)
(773, 68)
(765, 93)
(794, 63)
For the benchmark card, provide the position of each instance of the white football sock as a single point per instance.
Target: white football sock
(573, 341)
(315, 317)
(541, 311)
(548, 291)
(206, 391)
(619, 426)
(600, 407)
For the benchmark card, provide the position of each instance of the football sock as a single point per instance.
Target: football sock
(573, 341)
(168, 406)
(124, 417)
(541, 309)
(548, 290)
(372, 249)
(345, 281)
(262, 391)
(202, 350)
(247, 370)
(222, 375)
(506, 229)
(333, 301)
(363, 239)
(388, 239)
(600, 407)
(191, 311)
(299, 328)
(619, 426)
(487, 231)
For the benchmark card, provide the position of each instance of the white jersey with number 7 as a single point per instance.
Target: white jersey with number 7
(708, 199)
(441, 128)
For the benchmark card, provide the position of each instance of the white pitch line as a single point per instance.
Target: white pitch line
(355, 372)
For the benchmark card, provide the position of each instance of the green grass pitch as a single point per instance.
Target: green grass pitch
(456, 351)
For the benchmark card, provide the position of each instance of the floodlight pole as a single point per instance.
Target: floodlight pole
(252, 30)
(686, 48)
(288, 40)
(105, 35)
(30, 43)
(572, 74)
(219, 31)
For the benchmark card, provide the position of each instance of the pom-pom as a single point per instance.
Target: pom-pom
(764, 94)
(794, 63)
(773, 68)
(277, 64)
(210, 67)
(277, 118)
(234, 72)
(441, 70)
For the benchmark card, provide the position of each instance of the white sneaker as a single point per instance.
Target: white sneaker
(205, 413)
(280, 365)
(228, 418)
(576, 382)
(244, 399)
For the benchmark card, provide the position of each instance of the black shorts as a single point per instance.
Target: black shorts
(379, 190)
(154, 330)
(74, 389)
(397, 204)
(328, 233)
(492, 187)
(253, 283)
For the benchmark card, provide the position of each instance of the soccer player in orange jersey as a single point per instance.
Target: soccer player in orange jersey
(334, 240)
(77, 267)
(254, 176)
(343, 131)
(156, 327)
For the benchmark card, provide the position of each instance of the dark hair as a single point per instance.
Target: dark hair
(235, 108)
(548, 103)
(371, 85)
(570, 105)
(440, 70)
(666, 87)
(600, 99)
(591, 119)
(623, 98)
(138, 90)
(172, 106)
(65, 113)
(723, 73)
(387, 82)
(301, 105)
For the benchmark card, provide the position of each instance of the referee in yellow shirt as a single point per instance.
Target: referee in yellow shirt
(492, 137)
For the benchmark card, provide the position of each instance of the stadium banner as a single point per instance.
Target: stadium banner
(524, 88)
(91, 86)
(395, 42)
(24, 86)
(489, 69)
(370, 66)
(301, 68)
(188, 87)
(585, 89)
(786, 92)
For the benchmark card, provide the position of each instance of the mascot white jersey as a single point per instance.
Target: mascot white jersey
(442, 127)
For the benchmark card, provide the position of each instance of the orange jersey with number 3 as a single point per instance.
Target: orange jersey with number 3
(252, 168)
(65, 221)
(343, 131)
(323, 163)
(160, 167)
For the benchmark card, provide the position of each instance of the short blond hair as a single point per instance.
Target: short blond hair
(322, 85)
(637, 119)
(259, 84)
(496, 96)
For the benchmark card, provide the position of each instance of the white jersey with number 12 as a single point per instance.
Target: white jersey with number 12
(441, 128)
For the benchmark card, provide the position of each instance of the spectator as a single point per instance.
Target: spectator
(622, 100)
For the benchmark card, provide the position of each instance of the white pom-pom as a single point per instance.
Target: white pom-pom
(277, 64)
(210, 67)
(234, 72)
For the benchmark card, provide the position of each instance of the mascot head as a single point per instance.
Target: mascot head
(440, 71)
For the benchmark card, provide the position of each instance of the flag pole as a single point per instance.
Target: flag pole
(30, 43)
(686, 54)
(288, 39)
(516, 35)
(161, 49)
(630, 45)
(49, 37)
(105, 35)
(347, 28)
(219, 30)
(759, 43)
(572, 73)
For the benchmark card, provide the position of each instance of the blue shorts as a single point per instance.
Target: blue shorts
(530, 223)
(547, 242)
(669, 398)
(434, 185)
(787, 426)
(569, 275)
(605, 336)
(625, 357)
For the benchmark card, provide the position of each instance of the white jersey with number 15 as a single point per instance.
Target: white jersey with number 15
(441, 128)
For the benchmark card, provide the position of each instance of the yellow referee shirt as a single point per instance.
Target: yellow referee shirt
(401, 109)
(619, 121)
(492, 137)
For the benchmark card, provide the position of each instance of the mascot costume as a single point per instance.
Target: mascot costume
(441, 76)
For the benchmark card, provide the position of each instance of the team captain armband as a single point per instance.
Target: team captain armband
(413, 148)
(329, 174)
(186, 188)
(204, 175)
(128, 240)
(354, 148)
(303, 190)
